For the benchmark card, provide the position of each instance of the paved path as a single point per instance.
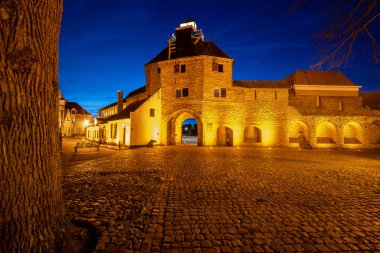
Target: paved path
(192, 199)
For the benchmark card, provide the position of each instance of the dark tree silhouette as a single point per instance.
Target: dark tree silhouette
(32, 213)
(352, 21)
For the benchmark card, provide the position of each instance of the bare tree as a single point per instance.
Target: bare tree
(352, 21)
(32, 214)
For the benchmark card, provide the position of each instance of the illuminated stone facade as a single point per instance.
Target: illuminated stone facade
(192, 78)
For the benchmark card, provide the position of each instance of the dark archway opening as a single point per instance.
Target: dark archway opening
(189, 131)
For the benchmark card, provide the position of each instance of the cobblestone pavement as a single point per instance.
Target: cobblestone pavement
(69, 159)
(195, 199)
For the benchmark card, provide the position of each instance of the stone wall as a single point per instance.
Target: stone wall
(261, 117)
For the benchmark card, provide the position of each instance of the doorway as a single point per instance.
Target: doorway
(189, 131)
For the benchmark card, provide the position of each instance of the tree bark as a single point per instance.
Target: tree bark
(32, 214)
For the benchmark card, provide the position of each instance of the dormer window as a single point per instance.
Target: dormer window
(73, 111)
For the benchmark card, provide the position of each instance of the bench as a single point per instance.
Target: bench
(86, 144)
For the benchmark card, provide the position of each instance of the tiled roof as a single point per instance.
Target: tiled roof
(137, 91)
(262, 84)
(315, 77)
(201, 48)
(77, 107)
(371, 99)
(125, 113)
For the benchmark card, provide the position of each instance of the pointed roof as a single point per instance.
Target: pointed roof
(200, 48)
(77, 107)
(316, 77)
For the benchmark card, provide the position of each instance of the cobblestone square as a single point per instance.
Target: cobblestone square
(198, 199)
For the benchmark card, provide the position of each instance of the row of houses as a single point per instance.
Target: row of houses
(192, 78)
(73, 118)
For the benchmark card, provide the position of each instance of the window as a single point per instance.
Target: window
(176, 68)
(158, 70)
(275, 95)
(216, 93)
(114, 133)
(183, 68)
(182, 93)
(151, 112)
(220, 67)
(223, 92)
(185, 92)
(255, 95)
(73, 111)
(214, 66)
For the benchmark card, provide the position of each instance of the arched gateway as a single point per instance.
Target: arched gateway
(175, 126)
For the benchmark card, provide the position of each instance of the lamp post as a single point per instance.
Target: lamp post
(62, 103)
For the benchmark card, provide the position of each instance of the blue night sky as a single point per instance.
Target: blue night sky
(105, 44)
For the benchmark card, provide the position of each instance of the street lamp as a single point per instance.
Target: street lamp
(62, 103)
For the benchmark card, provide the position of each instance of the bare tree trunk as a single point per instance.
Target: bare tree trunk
(32, 215)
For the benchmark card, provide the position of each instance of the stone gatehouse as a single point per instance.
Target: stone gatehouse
(192, 78)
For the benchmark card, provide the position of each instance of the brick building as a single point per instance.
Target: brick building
(192, 78)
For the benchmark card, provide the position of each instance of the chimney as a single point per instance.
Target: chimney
(184, 37)
(119, 101)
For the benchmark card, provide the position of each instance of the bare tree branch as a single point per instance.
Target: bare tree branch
(352, 23)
